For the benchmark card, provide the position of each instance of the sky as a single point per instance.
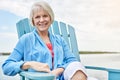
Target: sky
(96, 22)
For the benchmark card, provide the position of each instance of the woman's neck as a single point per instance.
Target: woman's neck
(44, 36)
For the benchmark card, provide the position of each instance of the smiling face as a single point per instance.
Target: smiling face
(41, 20)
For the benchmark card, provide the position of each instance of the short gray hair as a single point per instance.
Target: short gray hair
(45, 6)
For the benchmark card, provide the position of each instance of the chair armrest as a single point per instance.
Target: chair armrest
(36, 76)
(102, 68)
(94, 67)
(113, 74)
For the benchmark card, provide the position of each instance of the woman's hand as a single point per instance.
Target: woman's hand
(57, 71)
(36, 66)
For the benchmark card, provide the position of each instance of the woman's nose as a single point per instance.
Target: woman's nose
(41, 19)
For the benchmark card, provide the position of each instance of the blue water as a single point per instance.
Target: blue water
(4, 77)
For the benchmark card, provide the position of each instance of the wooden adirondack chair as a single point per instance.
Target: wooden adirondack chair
(68, 33)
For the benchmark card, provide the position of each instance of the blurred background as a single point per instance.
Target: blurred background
(96, 22)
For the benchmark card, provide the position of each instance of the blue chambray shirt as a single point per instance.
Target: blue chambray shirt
(30, 47)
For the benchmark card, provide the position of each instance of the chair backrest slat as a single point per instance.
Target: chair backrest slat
(73, 41)
(55, 27)
(64, 32)
(23, 27)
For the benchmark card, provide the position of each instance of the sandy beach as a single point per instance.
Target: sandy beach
(101, 60)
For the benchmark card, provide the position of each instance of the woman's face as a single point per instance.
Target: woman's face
(41, 20)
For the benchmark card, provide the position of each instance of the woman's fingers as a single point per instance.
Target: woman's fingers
(40, 66)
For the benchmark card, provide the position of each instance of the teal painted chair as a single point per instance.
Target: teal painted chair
(68, 33)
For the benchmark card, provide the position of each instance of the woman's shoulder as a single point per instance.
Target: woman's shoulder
(27, 36)
(58, 38)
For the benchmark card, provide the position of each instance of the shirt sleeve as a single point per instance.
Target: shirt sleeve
(13, 63)
(68, 55)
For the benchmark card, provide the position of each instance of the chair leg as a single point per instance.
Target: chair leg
(22, 78)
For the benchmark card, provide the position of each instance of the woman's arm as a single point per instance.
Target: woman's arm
(12, 64)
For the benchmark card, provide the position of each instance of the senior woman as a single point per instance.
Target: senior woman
(40, 50)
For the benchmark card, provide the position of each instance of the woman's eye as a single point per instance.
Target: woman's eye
(37, 17)
(45, 15)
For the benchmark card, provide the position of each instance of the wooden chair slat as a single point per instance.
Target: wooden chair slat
(73, 42)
